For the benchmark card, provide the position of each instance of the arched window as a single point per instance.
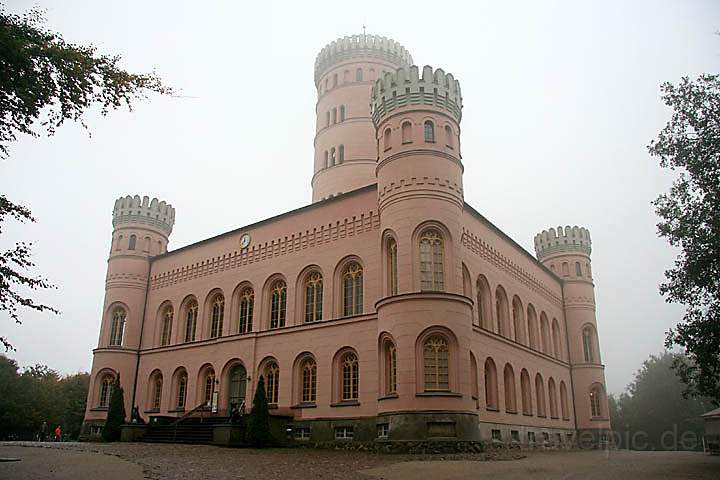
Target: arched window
(525, 392)
(352, 290)
(390, 364)
(588, 337)
(358, 75)
(157, 392)
(308, 372)
(448, 136)
(429, 130)
(181, 392)
(106, 386)
(350, 376)
(436, 363)
(334, 116)
(117, 327)
(342, 113)
(247, 299)
(217, 313)
(501, 311)
(147, 245)
(209, 387)
(587, 269)
(545, 333)
(167, 320)
(491, 385)
(432, 275)
(565, 269)
(325, 161)
(564, 401)
(335, 79)
(557, 346)
(532, 327)
(278, 301)
(372, 74)
(133, 241)
(392, 266)
(332, 156)
(341, 154)
(518, 321)
(119, 241)
(510, 394)
(160, 247)
(272, 382)
(552, 392)
(327, 119)
(191, 321)
(596, 397)
(484, 303)
(387, 139)
(540, 396)
(474, 381)
(406, 132)
(578, 269)
(313, 297)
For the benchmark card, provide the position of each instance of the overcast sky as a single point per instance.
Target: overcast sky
(560, 101)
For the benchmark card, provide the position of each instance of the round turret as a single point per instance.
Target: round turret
(345, 150)
(565, 247)
(152, 213)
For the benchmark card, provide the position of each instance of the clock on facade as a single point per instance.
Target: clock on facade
(245, 240)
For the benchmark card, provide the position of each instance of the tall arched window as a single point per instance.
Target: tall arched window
(596, 397)
(406, 132)
(342, 113)
(501, 311)
(565, 269)
(334, 116)
(491, 385)
(436, 363)
(327, 118)
(578, 269)
(157, 392)
(557, 346)
(387, 138)
(146, 248)
(106, 386)
(429, 130)
(552, 392)
(545, 333)
(181, 392)
(588, 337)
(448, 136)
(564, 401)
(392, 266)
(358, 75)
(117, 327)
(525, 392)
(390, 361)
(474, 381)
(217, 313)
(313, 297)
(191, 321)
(350, 376)
(484, 303)
(119, 242)
(272, 382)
(352, 290)
(517, 313)
(432, 274)
(341, 154)
(540, 396)
(209, 387)
(247, 299)
(325, 161)
(133, 241)
(532, 327)
(308, 379)
(278, 301)
(510, 395)
(332, 156)
(167, 320)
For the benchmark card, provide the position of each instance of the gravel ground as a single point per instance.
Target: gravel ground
(160, 462)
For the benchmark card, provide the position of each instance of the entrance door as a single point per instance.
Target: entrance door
(238, 379)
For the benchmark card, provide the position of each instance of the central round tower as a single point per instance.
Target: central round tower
(345, 149)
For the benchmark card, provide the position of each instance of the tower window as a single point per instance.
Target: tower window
(387, 138)
(325, 161)
(578, 269)
(133, 241)
(332, 156)
(392, 266)
(334, 116)
(436, 364)
(341, 154)
(448, 136)
(117, 327)
(327, 118)
(406, 131)
(358, 75)
(432, 276)
(429, 129)
(342, 113)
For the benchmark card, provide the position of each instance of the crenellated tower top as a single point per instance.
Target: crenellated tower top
(360, 46)
(563, 240)
(153, 213)
(407, 87)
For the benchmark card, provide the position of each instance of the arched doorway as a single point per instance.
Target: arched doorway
(238, 381)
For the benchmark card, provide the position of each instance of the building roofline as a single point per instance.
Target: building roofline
(512, 242)
(290, 213)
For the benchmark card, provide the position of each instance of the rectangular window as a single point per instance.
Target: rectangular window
(515, 436)
(344, 433)
(497, 436)
(531, 437)
(546, 437)
(302, 433)
(382, 430)
(558, 438)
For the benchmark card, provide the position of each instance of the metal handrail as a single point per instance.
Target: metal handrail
(202, 406)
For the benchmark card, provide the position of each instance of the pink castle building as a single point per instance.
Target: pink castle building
(387, 308)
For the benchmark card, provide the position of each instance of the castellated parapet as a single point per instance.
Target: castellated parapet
(361, 46)
(406, 87)
(565, 240)
(134, 210)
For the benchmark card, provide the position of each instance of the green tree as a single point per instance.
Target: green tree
(73, 390)
(116, 413)
(45, 81)
(258, 432)
(690, 220)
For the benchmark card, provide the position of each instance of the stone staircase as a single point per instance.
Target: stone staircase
(191, 430)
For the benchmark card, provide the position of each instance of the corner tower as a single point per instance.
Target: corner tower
(141, 229)
(566, 251)
(345, 71)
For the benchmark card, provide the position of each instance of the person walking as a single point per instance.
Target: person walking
(44, 432)
(58, 433)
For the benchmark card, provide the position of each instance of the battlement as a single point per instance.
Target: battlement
(360, 46)
(564, 240)
(407, 87)
(134, 210)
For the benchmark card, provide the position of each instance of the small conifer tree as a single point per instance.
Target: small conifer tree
(258, 433)
(116, 413)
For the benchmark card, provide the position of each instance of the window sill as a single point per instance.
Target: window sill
(389, 396)
(406, 142)
(177, 410)
(99, 409)
(346, 403)
(542, 416)
(599, 419)
(492, 409)
(304, 405)
(527, 414)
(567, 419)
(554, 418)
(272, 406)
(152, 410)
(513, 412)
(438, 394)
